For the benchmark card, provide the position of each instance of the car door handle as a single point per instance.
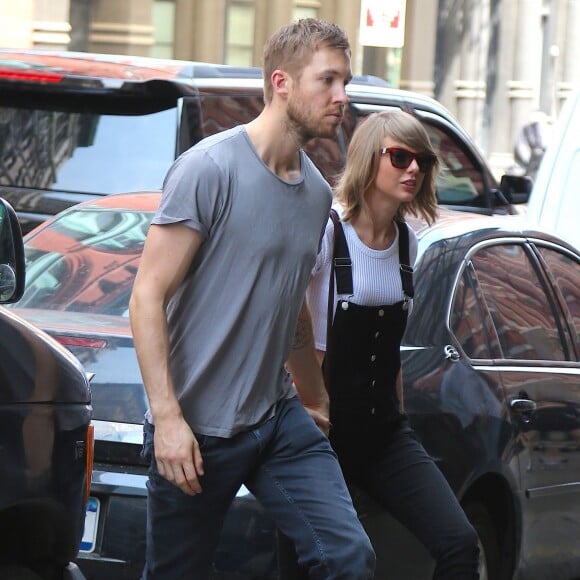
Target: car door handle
(522, 406)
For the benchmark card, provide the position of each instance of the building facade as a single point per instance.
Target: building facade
(492, 63)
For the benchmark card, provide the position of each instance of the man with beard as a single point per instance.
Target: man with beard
(218, 309)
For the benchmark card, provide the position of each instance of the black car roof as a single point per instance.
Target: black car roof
(25, 74)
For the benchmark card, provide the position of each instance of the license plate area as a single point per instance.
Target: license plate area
(89, 538)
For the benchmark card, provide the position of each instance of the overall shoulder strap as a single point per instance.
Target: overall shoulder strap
(341, 263)
(405, 266)
(341, 267)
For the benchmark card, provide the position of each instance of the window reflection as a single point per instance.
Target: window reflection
(468, 321)
(459, 181)
(566, 273)
(522, 315)
(86, 262)
(80, 152)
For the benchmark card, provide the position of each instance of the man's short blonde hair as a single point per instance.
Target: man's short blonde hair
(292, 46)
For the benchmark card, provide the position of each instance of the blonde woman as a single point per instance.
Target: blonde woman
(390, 173)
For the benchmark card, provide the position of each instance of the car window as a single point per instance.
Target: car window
(460, 181)
(67, 150)
(565, 272)
(221, 112)
(469, 322)
(516, 298)
(85, 261)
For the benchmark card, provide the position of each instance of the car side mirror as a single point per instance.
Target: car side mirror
(12, 268)
(516, 188)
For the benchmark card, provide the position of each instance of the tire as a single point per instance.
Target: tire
(489, 560)
(18, 573)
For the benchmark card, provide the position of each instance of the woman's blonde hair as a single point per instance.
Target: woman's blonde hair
(362, 162)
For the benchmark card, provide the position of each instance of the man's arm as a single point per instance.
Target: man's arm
(167, 256)
(304, 366)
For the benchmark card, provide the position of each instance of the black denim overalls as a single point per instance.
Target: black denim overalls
(362, 362)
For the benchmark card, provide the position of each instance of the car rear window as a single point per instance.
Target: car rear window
(85, 151)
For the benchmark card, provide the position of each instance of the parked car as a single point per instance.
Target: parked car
(555, 199)
(491, 365)
(45, 436)
(75, 126)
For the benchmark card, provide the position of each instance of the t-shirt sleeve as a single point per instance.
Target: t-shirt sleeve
(192, 192)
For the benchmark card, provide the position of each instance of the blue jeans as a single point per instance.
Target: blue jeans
(289, 466)
(405, 480)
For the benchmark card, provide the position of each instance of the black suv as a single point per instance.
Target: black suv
(45, 436)
(77, 125)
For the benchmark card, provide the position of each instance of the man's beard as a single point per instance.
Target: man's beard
(302, 124)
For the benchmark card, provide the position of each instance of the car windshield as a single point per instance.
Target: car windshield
(85, 261)
(85, 152)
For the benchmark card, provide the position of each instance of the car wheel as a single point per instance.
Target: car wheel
(18, 573)
(488, 544)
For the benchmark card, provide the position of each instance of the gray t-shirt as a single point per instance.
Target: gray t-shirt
(232, 321)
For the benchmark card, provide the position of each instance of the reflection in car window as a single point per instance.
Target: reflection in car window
(566, 274)
(520, 310)
(469, 323)
(86, 153)
(221, 112)
(85, 262)
(459, 181)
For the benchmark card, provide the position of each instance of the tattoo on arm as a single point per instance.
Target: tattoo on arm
(303, 335)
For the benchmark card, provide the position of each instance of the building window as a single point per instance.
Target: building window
(163, 18)
(239, 49)
(305, 9)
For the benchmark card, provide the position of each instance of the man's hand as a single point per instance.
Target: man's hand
(178, 455)
(320, 417)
